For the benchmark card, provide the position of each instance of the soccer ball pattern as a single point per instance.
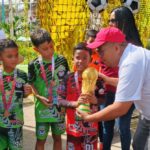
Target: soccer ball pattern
(97, 5)
(133, 5)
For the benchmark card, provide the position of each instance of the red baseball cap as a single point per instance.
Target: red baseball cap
(109, 34)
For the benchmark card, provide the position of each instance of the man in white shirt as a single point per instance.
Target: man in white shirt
(133, 85)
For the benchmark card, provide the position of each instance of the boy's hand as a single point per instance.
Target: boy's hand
(44, 100)
(27, 89)
(75, 104)
(87, 98)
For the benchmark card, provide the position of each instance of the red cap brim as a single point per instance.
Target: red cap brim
(96, 44)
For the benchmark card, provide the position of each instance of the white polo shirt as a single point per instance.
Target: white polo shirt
(134, 78)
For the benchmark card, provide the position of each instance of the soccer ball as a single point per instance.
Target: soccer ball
(97, 5)
(133, 5)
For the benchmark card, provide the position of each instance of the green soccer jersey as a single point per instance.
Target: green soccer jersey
(43, 113)
(15, 119)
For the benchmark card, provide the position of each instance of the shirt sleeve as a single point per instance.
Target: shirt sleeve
(67, 66)
(130, 83)
(23, 76)
(26, 78)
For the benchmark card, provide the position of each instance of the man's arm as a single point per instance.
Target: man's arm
(109, 113)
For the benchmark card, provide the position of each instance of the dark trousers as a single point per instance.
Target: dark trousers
(141, 140)
(124, 126)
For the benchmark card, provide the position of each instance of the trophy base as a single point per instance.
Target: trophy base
(84, 108)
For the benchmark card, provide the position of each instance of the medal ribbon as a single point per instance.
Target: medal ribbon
(6, 103)
(43, 72)
(77, 83)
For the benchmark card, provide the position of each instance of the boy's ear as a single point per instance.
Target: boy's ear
(36, 49)
(0, 57)
(72, 59)
(91, 59)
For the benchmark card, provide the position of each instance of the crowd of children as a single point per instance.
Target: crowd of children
(56, 91)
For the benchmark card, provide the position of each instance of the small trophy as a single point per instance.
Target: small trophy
(89, 78)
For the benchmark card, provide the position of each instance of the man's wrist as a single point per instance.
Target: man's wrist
(87, 118)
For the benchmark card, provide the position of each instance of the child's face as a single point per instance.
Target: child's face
(9, 57)
(81, 60)
(46, 49)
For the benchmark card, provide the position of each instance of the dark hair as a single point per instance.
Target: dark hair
(91, 33)
(7, 43)
(40, 36)
(126, 23)
(82, 46)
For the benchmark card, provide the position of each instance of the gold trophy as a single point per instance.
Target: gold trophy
(89, 78)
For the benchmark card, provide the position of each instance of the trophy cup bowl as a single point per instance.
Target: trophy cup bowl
(89, 78)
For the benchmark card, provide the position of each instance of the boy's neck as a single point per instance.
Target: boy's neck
(8, 70)
(79, 73)
(47, 59)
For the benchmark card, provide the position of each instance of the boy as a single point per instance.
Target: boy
(12, 91)
(95, 62)
(80, 135)
(45, 74)
(95, 59)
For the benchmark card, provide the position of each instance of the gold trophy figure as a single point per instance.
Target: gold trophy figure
(89, 78)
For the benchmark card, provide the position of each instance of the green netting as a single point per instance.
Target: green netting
(66, 20)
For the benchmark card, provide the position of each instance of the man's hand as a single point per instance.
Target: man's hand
(81, 114)
(111, 112)
(102, 76)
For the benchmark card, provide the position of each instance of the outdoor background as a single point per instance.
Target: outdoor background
(66, 20)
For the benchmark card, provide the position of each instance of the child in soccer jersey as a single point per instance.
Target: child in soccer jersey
(13, 88)
(80, 135)
(96, 63)
(45, 74)
(95, 59)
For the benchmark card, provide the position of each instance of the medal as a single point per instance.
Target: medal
(78, 87)
(52, 83)
(7, 103)
(50, 95)
(6, 113)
